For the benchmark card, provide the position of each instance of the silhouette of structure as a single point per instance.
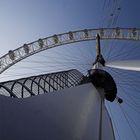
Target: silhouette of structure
(46, 83)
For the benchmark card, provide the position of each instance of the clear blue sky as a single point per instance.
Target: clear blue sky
(23, 21)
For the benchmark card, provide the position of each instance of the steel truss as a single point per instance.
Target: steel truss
(35, 85)
(14, 56)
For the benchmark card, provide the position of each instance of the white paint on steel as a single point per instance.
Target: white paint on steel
(133, 65)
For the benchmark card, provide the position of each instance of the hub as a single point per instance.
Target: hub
(102, 79)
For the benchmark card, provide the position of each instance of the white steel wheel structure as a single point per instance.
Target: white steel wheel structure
(73, 78)
(14, 56)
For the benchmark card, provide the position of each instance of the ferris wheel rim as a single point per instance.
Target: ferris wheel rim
(27, 50)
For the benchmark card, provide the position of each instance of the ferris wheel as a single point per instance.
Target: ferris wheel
(99, 74)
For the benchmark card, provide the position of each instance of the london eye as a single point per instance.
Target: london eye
(79, 84)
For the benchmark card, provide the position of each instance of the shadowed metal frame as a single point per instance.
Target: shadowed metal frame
(20, 88)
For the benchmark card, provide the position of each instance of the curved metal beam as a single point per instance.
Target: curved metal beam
(32, 94)
(48, 82)
(57, 76)
(39, 86)
(7, 89)
(40, 78)
(27, 50)
(22, 90)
